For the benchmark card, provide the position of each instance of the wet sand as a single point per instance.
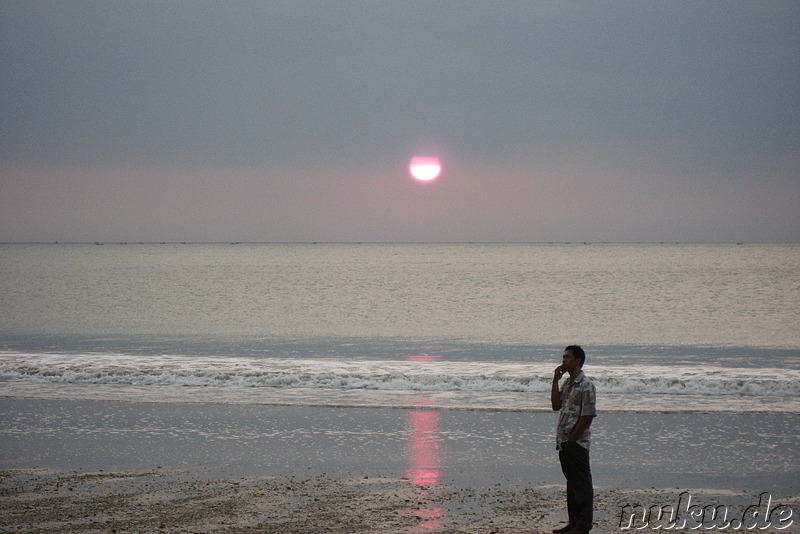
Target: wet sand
(92, 466)
(35, 501)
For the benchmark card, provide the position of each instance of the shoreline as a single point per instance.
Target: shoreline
(101, 467)
(469, 447)
(37, 500)
(514, 402)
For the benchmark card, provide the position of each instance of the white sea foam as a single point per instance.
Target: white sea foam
(389, 375)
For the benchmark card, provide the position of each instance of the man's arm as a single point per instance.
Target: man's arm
(580, 427)
(555, 394)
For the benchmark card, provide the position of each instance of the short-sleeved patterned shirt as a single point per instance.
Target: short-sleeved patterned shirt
(577, 399)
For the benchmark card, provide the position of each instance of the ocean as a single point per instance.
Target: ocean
(674, 327)
(707, 334)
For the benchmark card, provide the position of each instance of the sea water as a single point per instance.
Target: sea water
(235, 359)
(668, 327)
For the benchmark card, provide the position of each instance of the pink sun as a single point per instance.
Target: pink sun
(425, 169)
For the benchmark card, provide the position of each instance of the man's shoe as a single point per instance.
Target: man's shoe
(576, 529)
(565, 529)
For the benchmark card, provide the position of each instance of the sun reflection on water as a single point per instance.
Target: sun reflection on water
(424, 460)
(424, 449)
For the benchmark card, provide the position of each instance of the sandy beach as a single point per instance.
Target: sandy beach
(37, 501)
(90, 466)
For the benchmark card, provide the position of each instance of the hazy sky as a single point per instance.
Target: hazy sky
(295, 121)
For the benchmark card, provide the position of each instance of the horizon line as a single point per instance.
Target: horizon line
(577, 242)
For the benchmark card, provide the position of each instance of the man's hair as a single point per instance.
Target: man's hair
(577, 351)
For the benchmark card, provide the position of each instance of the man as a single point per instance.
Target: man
(576, 405)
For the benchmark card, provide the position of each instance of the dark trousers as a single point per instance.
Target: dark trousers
(580, 493)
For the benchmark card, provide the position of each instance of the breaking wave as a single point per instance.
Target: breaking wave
(388, 375)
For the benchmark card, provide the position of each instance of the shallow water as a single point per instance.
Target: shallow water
(749, 452)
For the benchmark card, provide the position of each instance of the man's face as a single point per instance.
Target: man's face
(570, 362)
